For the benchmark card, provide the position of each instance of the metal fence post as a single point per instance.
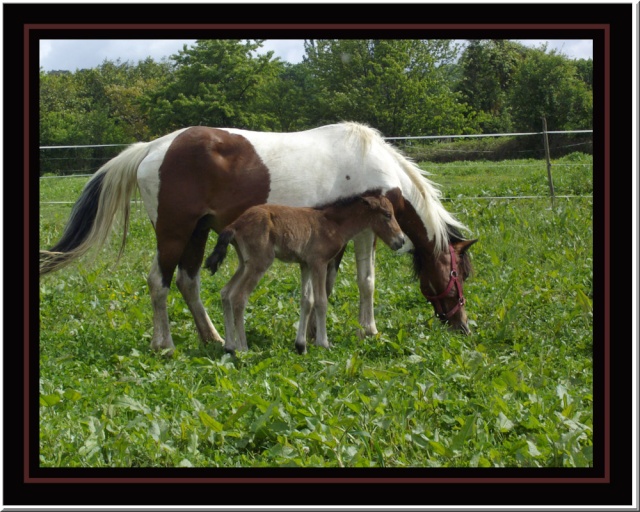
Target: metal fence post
(548, 157)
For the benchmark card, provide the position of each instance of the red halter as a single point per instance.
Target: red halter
(454, 279)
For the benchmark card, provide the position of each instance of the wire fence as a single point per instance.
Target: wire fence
(81, 161)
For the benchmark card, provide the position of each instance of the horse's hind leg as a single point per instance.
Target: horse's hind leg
(170, 247)
(188, 281)
(159, 291)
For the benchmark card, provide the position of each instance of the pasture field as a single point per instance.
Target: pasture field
(518, 392)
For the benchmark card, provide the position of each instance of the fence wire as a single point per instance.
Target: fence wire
(78, 156)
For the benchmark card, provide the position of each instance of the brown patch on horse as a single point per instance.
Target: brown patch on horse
(207, 179)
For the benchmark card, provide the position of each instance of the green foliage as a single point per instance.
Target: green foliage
(548, 85)
(518, 392)
(487, 68)
(94, 106)
(400, 87)
(287, 102)
(512, 87)
(216, 82)
(397, 86)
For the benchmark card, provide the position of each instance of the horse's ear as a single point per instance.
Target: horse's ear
(463, 245)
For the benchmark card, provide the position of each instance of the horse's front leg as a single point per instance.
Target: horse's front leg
(364, 246)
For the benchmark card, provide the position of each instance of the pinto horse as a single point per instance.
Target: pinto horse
(311, 237)
(199, 179)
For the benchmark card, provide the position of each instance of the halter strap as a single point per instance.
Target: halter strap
(454, 279)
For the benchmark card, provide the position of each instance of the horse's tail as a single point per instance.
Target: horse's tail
(219, 253)
(108, 192)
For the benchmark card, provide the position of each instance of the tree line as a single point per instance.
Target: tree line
(400, 87)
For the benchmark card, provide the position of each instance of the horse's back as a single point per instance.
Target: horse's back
(321, 165)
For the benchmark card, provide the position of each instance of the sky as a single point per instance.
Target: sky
(71, 55)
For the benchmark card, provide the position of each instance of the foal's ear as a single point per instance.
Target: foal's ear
(463, 245)
(368, 200)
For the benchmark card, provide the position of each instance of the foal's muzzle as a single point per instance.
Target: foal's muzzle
(397, 243)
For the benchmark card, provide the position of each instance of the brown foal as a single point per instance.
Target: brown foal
(311, 237)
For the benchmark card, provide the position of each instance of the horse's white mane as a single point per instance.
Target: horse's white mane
(424, 196)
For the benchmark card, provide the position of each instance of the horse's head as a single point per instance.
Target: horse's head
(442, 285)
(383, 222)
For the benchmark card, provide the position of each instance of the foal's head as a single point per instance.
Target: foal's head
(379, 213)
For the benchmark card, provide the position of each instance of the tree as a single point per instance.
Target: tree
(216, 82)
(288, 97)
(397, 86)
(92, 107)
(487, 71)
(585, 71)
(548, 85)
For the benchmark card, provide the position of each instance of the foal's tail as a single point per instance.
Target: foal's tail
(108, 192)
(219, 253)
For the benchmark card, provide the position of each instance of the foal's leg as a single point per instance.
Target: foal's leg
(227, 308)
(239, 295)
(319, 280)
(364, 245)
(306, 307)
(188, 281)
(332, 271)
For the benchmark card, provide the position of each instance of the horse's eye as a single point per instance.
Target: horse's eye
(387, 215)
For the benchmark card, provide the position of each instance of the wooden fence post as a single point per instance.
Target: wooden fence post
(548, 156)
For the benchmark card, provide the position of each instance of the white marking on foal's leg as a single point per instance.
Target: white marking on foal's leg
(365, 265)
(190, 289)
(227, 310)
(306, 307)
(161, 334)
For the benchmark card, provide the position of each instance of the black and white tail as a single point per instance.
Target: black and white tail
(106, 194)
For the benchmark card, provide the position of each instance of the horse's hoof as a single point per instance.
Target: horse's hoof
(302, 349)
(364, 333)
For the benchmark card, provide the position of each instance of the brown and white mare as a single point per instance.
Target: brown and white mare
(311, 237)
(199, 179)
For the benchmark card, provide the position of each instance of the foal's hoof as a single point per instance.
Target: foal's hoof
(302, 349)
(163, 350)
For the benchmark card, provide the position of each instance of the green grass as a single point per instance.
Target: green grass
(518, 392)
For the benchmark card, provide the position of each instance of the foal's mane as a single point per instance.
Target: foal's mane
(346, 201)
(424, 196)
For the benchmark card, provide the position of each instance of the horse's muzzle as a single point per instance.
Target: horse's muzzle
(460, 327)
